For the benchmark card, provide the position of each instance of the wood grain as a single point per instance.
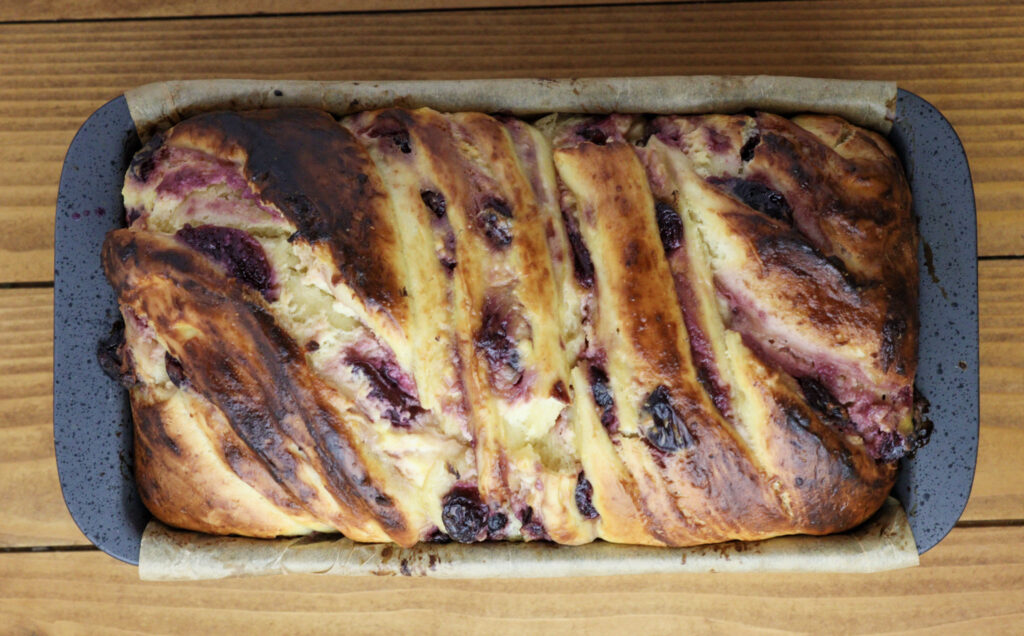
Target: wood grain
(999, 481)
(967, 58)
(33, 507)
(973, 581)
(45, 10)
(35, 512)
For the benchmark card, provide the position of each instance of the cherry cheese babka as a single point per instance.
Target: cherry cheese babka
(412, 326)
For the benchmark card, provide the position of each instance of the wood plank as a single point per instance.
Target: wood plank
(998, 491)
(38, 10)
(967, 58)
(972, 581)
(34, 508)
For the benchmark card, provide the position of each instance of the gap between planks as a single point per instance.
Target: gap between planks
(971, 582)
(55, 11)
(964, 59)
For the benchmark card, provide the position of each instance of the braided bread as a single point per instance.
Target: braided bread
(412, 326)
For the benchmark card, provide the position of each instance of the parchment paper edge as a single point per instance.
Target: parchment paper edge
(884, 542)
(866, 103)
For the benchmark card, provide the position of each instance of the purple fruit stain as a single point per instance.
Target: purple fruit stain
(392, 129)
(237, 251)
(717, 141)
(400, 406)
(500, 328)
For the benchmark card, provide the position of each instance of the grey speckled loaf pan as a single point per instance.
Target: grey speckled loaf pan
(92, 420)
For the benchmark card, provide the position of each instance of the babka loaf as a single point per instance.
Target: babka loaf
(413, 326)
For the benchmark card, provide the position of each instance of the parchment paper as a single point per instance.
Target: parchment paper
(884, 542)
(870, 104)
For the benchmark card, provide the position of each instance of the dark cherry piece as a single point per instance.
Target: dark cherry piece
(237, 251)
(584, 496)
(668, 432)
(464, 515)
(435, 201)
(497, 523)
(583, 266)
(602, 392)
(670, 226)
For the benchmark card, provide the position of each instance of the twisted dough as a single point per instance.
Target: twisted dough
(411, 326)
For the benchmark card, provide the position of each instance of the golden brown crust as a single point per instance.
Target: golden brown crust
(410, 324)
(302, 163)
(691, 475)
(233, 353)
(509, 350)
(810, 226)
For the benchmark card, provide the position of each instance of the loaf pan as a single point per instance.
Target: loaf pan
(92, 419)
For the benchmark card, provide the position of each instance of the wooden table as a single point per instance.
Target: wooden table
(60, 61)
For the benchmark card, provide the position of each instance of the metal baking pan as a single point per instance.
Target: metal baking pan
(92, 426)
